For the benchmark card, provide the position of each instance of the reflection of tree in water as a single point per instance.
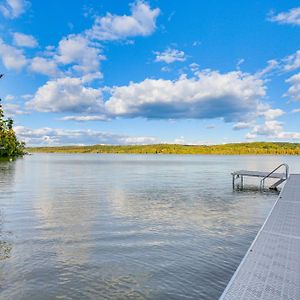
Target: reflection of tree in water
(7, 176)
(5, 250)
(7, 172)
(5, 247)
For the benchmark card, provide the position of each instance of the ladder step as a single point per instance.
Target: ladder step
(277, 183)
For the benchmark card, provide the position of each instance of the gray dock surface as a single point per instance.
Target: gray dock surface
(270, 269)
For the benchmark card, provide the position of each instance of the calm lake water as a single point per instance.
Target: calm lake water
(85, 226)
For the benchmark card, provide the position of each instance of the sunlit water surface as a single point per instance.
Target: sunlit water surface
(81, 226)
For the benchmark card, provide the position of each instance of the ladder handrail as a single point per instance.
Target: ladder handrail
(262, 182)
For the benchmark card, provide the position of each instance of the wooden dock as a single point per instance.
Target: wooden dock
(270, 269)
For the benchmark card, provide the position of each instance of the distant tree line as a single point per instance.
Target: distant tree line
(255, 148)
(10, 147)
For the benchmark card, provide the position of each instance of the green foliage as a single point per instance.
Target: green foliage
(10, 147)
(238, 148)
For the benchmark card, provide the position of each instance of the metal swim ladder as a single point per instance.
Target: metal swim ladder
(274, 185)
(281, 177)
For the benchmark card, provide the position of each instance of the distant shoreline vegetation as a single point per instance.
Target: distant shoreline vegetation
(224, 149)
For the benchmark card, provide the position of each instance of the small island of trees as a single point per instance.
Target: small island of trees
(10, 147)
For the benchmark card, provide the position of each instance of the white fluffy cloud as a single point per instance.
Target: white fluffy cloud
(286, 64)
(45, 66)
(66, 95)
(294, 90)
(291, 17)
(84, 118)
(53, 136)
(271, 66)
(141, 22)
(12, 58)
(231, 96)
(291, 62)
(76, 49)
(11, 110)
(269, 128)
(263, 111)
(269, 113)
(272, 129)
(288, 135)
(12, 9)
(242, 125)
(169, 56)
(74, 56)
(24, 40)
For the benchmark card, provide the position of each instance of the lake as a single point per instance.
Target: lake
(90, 226)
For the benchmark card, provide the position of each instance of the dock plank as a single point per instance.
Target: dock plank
(271, 266)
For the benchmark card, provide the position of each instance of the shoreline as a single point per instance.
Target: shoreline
(255, 148)
(165, 154)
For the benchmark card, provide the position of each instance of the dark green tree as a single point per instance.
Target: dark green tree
(10, 147)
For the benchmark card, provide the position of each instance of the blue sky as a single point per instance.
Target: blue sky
(136, 72)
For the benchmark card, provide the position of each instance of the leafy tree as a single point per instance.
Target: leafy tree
(9, 145)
